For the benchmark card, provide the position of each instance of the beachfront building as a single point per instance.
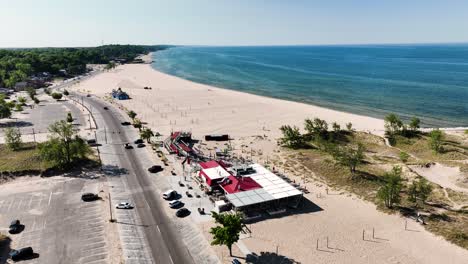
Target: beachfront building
(180, 143)
(250, 187)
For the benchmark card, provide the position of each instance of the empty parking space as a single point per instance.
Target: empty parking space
(58, 225)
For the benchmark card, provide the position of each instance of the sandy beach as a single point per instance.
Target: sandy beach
(177, 104)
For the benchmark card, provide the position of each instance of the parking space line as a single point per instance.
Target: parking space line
(50, 198)
(9, 206)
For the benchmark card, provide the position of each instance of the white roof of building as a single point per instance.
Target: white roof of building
(272, 183)
(216, 173)
(240, 199)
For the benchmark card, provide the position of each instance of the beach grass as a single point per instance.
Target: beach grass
(451, 224)
(26, 158)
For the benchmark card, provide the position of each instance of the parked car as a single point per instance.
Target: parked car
(138, 141)
(182, 212)
(124, 205)
(15, 227)
(20, 254)
(235, 261)
(128, 146)
(88, 197)
(141, 145)
(106, 108)
(88, 95)
(155, 169)
(170, 194)
(92, 142)
(175, 204)
(125, 123)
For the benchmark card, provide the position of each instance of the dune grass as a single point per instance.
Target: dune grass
(26, 158)
(450, 224)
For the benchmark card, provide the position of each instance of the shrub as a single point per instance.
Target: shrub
(404, 156)
(56, 96)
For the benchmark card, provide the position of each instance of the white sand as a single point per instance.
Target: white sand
(174, 103)
(445, 176)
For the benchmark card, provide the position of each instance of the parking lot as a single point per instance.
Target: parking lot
(58, 225)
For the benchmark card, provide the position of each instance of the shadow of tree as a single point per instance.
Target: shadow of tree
(113, 170)
(15, 124)
(269, 258)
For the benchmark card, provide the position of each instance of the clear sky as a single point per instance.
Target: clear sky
(34, 23)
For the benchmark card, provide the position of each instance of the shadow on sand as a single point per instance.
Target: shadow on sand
(305, 207)
(269, 258)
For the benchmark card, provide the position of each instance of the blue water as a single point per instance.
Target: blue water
(427, 81)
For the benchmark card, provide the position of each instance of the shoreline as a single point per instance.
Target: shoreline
(149, 59)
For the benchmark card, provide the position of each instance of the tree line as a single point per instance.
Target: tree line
(18, 64)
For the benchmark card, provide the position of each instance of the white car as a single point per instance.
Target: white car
(175, 203)
(124, 205)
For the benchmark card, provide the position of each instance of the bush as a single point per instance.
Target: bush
(13, 138)
(18, 107)
(69, 117)
(404, 156)
(66, 93)
(56, 96)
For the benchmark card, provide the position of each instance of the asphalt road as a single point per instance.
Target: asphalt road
(164, 241)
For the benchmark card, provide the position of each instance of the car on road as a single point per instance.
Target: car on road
(175, 204)
(89, 197)
(15, 227)
(125, 123)
(88, 95)
(235, 261)
(23, 253)
(170, 194)
(124, 205)
(106, 108)
(182, 212)
(141, 145)
(128, 146)
(155, 169)
(138, 141)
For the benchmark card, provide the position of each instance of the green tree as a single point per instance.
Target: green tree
(414, 124)
(36, 101)
(350, 156)
(146, 134)
(65, 92)
(69, 117)
(404, 156)
(436, 140)
(56, 96)
(5, 111)
(64, 145)
(317, 128)
(336, 127)
(389, 193)
(137, 124)
(228, 231)
(22, 100)
(13, 138)
(291, 137)
(393, 124)
(349, 127)
(419, 190)
(132, 114)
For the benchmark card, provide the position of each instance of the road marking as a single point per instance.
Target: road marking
(9, 206)
(50, 197)
(30, 201)
(159, 230)
(170, 258)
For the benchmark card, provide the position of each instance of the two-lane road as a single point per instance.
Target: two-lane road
(163, 239)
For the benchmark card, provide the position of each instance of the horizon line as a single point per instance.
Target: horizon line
(256, 45)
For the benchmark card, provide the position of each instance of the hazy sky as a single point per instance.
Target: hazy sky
(33, 23)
